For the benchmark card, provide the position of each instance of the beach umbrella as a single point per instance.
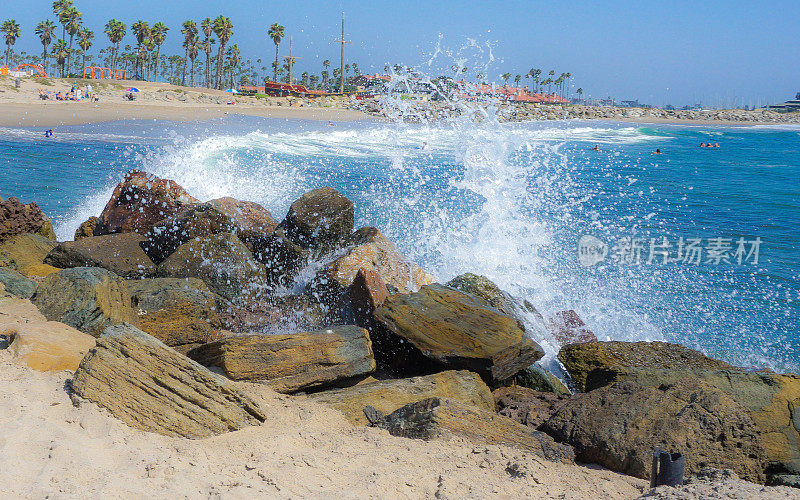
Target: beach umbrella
(133, 89)
(232, 91)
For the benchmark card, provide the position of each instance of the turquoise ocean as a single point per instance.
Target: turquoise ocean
(702, 245)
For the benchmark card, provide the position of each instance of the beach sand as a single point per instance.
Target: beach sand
(23, 108)
(50, 448)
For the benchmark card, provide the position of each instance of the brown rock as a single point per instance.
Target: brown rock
(367, 292)
(292, 362)
(177, 311)
(26, 253)
(253, 222)
(568, 328)
(596, 364)
(487, 291)
(140, 201)
(526, 406)
(619, 426)
(319, 218)
(49, 345)
(17, 218)
(118, 253)
(454, 329)
(151, 387)
(92, 226)
(87, 298)
(274, 315)
(435, 418)
(197, 221)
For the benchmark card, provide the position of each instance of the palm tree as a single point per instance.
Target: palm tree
(517, 79)
(189, 40)
(536, 73)
(73, 24)
(11, 31)
(115, 31)
(223, 28)
(60, 51)
(234, 59)
(45, 30)
(141, 30)
(506, 77)
(192, 52)
(59, 9)
(276, 34)
(207, 25)
(579, 92)
(304, 78)
(85, 37)
(157, 35)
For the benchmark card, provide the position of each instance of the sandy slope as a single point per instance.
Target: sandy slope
(23, 107)
(49, 448)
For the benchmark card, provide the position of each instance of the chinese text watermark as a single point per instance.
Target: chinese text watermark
(630, 250)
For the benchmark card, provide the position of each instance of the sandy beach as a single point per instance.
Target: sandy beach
(23, 108)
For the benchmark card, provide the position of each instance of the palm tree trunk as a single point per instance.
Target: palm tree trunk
(192, 75)
(185, 60)
(275, 68)
(44, 58)
(155, 70)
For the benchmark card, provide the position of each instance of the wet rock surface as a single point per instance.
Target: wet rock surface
(319, 218)
(151, 387)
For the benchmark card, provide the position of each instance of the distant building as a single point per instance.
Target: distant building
(791, 105)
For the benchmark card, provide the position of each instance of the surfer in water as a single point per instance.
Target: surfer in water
(657, 152)
(49, 133)
(596, 147)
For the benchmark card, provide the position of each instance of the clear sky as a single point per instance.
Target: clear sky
(679, 52)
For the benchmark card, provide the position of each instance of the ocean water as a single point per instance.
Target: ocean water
(510, 201)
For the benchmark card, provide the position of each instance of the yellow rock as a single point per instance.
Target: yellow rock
(50, 346)
(26, 253)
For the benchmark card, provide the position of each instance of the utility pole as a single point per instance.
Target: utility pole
(341, 62)
(290, 60)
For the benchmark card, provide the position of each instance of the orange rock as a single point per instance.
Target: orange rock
(49, 346)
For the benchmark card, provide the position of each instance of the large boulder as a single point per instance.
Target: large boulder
(282, 257)
(18, 218)
(596, 364)
(119, 253)
(40, 344)
(387, 396)
(26, 253)
(222, 262)
(92, 226)
(457, 331)
(151, 387)
(197, 221)
(87, 298)
(436, 418)
(139, 202)
(487, 291)
(275, 314)
(17, 284)
(538, 379)
(319, 219)
(526, 406)
(773, 400)
(370, 250)
(253, 223)
(620, 425)
(292, 362)
(181, 312)
(568, 328)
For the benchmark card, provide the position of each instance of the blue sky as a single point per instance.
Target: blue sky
(655, 51)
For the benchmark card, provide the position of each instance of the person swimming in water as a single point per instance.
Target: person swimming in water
(595, 148)
(49, 133)
(657, 152)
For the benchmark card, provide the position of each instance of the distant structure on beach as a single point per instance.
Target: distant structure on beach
(791, 105)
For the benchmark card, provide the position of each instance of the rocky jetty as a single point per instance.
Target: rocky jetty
(172, 312)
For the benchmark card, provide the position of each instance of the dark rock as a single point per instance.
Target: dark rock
(140, 201)
(198, 221)
(282, 257)
(790, 480)
(619, 426)
(253, 223)
(275, 314)
(17, 284)
(18, 218)
(487, 291)
(222, 262)
(319, 218)
(289, 363)
(119, 253)
(387, 396)
(87, 298)
(597, 364)
(538, 379)
(435, 417)
(151, 387)
(526, 406)
(568, 328)
(177, 311)
(454, 329)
